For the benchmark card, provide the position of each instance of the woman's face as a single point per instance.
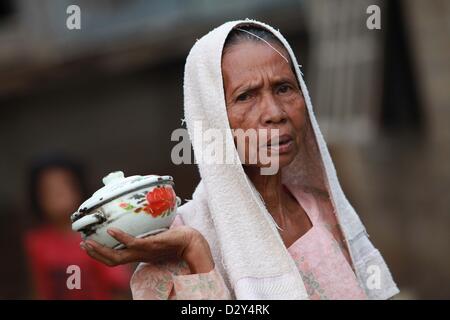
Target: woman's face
(262, 92)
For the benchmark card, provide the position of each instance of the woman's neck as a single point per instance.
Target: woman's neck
(269, 186)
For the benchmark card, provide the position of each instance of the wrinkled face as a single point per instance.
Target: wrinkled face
(262, 92)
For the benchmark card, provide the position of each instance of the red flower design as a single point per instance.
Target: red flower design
(160, 199)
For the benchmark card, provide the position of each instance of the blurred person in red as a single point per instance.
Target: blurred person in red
(56, 190)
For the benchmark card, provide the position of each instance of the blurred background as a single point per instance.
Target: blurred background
(77, 104)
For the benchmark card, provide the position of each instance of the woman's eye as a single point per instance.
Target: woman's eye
(243, 97)
(284, 88)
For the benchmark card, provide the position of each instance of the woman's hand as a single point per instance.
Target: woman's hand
(181, 242)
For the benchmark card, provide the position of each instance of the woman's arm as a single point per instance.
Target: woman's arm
(201, 286)
(178, 264)
(183, 242)
(173, 280)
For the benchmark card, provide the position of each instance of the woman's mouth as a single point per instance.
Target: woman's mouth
(283, 145)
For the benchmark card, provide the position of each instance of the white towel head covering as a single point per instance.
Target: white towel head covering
(228, 210)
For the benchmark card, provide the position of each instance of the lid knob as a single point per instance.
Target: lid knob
(112, 177)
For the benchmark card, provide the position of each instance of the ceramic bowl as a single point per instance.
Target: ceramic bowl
(138, 205)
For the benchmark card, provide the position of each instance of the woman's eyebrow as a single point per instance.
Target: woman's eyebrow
(281, 80)
(277, 80)
(246, 87)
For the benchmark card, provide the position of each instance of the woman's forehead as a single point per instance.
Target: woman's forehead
(246, 59)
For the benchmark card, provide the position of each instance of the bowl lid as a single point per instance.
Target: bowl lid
(116, 184)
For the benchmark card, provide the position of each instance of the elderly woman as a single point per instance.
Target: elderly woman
(291, 234)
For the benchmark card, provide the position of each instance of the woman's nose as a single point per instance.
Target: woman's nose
(272, 112)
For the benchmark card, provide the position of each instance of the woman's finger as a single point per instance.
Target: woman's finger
(112, 255)
(116, 257)
(122, 237)
(93, 254)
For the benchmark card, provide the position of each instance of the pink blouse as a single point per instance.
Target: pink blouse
(319, 254)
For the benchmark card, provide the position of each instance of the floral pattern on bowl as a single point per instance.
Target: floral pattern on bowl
(158, 202)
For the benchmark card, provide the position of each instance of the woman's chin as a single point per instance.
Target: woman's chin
(275, 165)
(286, 159)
